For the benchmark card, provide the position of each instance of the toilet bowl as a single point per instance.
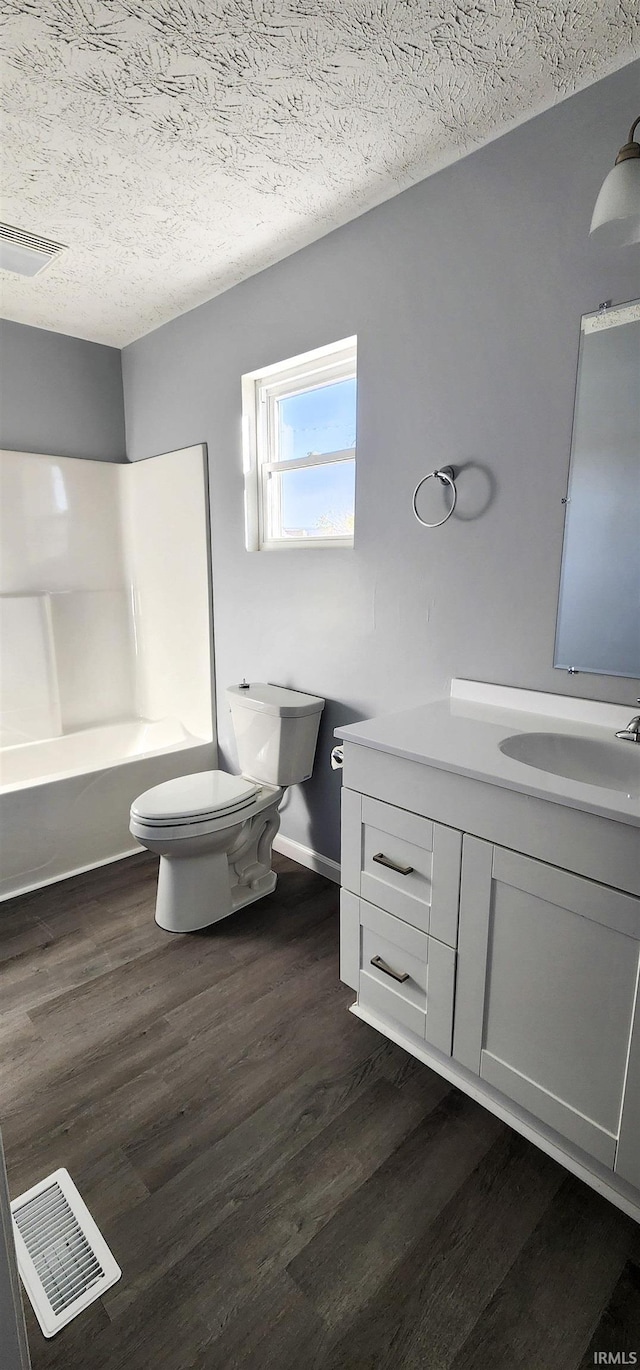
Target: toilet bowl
(214, 831)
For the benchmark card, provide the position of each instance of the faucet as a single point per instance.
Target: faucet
(632, 731)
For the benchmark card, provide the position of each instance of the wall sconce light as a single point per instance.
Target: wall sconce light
(616, 217)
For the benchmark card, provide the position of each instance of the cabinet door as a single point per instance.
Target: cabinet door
(547, 973)
(402, 863)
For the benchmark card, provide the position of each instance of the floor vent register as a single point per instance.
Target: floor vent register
(63, 1259)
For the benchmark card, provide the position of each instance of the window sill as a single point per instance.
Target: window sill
(306, 544)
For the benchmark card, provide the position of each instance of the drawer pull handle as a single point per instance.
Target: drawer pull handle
(393, 865)
(378, 962)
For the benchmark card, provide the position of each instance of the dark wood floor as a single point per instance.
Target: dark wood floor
(280, 1185)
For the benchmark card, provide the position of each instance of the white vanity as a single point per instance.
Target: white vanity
(490, 911)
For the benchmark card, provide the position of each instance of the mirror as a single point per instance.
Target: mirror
(598, 626)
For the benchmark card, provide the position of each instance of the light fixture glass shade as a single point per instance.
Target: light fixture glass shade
(616, 217)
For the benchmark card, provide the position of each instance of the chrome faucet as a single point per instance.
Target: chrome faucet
(632, 732)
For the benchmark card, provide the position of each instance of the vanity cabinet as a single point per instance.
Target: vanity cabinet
(514, 977)
(547, 980)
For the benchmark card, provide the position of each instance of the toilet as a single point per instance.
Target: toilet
(213, 831)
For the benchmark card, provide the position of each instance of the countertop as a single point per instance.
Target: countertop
(463, 733)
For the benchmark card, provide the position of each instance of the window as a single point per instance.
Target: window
(299, 430)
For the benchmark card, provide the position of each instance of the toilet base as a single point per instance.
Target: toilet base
(198, 888)
(180, 909)
(242, 894)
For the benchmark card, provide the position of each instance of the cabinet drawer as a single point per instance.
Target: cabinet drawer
(406, 975)
(403, 863)
(397, 860)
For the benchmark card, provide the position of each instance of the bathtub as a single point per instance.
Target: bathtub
(64, 802)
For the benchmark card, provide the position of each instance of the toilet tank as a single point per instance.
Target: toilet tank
(276, 731)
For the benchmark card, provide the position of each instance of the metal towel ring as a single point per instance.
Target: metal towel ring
(446, 476)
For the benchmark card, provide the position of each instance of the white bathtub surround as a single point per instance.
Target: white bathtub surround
(82, 753)
(94, 636)
(64, 803)
(164, 513)
(60, 524)
(490, 911)
(105, 637)
(29, 693)
(121, 552)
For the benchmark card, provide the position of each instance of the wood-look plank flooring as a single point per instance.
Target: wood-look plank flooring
(281, 1186)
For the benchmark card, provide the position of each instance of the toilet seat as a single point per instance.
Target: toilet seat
(192, 799)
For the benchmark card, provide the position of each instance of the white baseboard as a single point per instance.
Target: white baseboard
(306, 857)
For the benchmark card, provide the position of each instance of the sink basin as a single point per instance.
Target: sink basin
(612, 765)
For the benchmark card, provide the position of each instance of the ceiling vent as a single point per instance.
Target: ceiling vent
(27, 254)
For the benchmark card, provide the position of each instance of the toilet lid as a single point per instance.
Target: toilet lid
(191, 797)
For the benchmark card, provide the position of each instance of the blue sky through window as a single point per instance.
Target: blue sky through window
(318, 499)
(322, 420)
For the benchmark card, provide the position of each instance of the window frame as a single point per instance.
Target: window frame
(261, 391)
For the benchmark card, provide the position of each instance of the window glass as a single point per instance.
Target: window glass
(317, 421)
(313, 501)
(299, 450)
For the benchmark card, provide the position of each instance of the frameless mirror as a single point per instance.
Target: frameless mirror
(598, 627)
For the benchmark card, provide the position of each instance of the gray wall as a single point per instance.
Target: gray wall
(466, 294)
(60, 395)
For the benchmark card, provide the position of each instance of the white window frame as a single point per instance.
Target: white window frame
(260, 391)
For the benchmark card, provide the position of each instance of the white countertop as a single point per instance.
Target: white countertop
(463, 734)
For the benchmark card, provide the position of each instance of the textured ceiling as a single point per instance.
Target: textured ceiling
(178, 146)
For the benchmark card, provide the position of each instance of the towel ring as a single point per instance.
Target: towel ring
(446, 476)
